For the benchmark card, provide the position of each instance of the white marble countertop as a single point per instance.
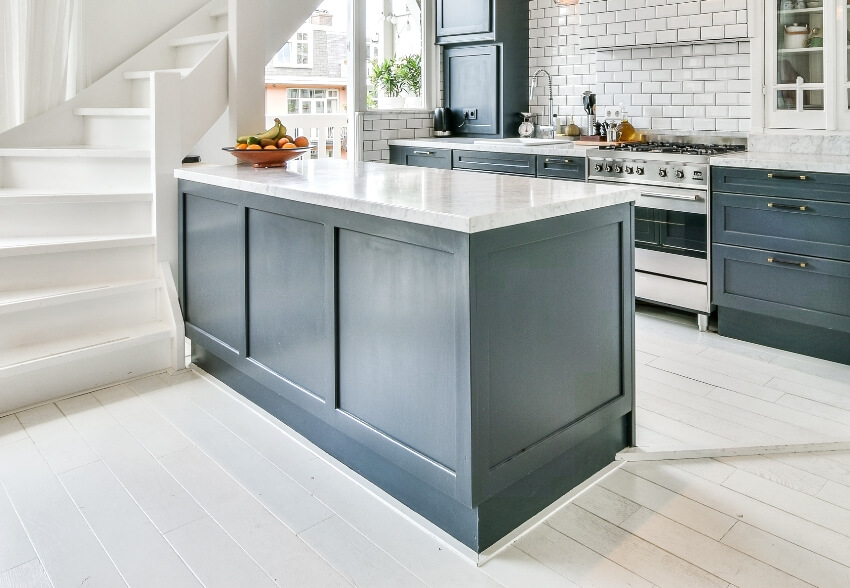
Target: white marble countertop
(839, 164)
(569, 149)
(462, 201)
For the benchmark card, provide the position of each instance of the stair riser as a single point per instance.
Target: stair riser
(39, 325)
(189, 55)
(57, 220)
(140, 93)
(82, 375)
(74, 268)
(77, 174)
(117, 131)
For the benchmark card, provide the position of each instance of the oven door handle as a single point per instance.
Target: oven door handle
(691, 197)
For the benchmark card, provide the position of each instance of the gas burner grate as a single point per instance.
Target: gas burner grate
(678, 148)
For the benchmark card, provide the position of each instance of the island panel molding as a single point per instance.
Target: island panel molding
(412, 353)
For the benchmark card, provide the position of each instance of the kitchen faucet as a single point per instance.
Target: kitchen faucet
(531, 95)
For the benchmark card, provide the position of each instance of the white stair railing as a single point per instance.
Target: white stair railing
(327, 132)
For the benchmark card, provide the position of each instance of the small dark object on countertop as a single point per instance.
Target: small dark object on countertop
(192, 159)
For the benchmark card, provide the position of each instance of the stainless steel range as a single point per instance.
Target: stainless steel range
(672, 218)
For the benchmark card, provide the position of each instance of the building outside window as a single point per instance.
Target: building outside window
(297, 52)
(312, 101)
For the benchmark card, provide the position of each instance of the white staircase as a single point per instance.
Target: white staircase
(85, 298)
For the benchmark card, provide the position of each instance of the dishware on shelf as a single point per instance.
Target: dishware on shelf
(800, 4)
(796, 36)
(266, 157)
(816, 38)
(814, 3)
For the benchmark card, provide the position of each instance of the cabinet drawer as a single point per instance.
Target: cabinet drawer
(503, 163)
(421, 156)
(805, 227)
(777, 182)
(803, 289)
(568, 168)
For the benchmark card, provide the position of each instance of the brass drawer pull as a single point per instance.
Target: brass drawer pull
(797, 263)
(784, 177)
(558, 161)
(423, 153)
(785, 206)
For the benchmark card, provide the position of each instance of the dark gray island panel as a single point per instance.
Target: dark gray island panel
(476, 377)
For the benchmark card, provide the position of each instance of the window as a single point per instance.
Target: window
(312, 101)
(297, 52)
(394, 48)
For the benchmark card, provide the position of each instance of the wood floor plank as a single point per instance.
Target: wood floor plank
(812, 407)
(838, 398)
(775, 411)
(355, 557)
(842, 457)
(765, 516)
(836, 494)
(792, 501)
(628, 550)
(604, 503)
(131, 540)
(669, 504)
(167, 504)
(643, 358)
(141, 420)
(787, 556)
(214, 557)
(717, 379)
(289, 502)
(706, 468)
(688, 434)
(516, 569)
(66, 546)
(15, 546)
(11, 430)
(61, 446)
(819, 372)
(28, 575)
(676, 381)
(708, 554)
(778, 472)
(648, 438)
(362, 508)
(574, 561)
(277, 550)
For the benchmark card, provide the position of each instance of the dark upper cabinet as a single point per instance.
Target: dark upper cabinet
(469, 20)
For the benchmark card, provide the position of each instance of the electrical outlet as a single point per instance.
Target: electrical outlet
(470, 113)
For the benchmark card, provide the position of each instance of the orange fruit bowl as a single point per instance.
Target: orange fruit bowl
(266, 157)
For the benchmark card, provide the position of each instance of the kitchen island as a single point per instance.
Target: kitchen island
(464, 341)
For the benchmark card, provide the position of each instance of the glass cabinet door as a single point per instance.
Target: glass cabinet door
(844, 61)
(798, 89)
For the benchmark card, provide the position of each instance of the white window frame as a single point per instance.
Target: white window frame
(280, 61)
(313, 100)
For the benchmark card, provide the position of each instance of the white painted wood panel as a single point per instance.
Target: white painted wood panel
(823, 391)
(835, 493)
(11, 430)
(606, 504)
(133, 543)
(696, 372)
(631, 552)
(649, 373)
(167, 504)
(65, 544)
(678, 430)
(706, 468)
(61, 446)
(815, 408)
(516, 569)
(15, 546)
(214, 557)
(28, 575)
(777, 472)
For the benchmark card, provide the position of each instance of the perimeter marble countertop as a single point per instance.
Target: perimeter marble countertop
(839, 164)
(462, 201)
(470, 145)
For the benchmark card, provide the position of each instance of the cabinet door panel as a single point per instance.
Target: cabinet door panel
(568, 168)
(780, 182)
(470, 17)
(502, 163)
(421, 157)
(472, 82)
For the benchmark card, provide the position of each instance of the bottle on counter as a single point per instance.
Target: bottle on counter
(627, 131)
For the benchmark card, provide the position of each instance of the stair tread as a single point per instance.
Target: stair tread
(29, 357)
(29, 245)
(143, 74)
(75, 151)
(20, 299)
(25, 195)
(113, 111)
(197, 39)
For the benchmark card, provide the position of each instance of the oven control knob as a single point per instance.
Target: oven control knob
(618, 169)
(639, 171)
(630, 169)
(608, 167)
(598, 167)
(680, 174)
(662, 172)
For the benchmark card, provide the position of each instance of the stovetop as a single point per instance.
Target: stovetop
(674, 148)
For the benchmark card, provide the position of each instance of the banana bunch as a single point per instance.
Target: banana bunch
(270, 137)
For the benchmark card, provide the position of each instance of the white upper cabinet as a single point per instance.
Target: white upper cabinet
(807, 76)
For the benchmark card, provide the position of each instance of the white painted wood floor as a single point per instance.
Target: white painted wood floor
(173, 480)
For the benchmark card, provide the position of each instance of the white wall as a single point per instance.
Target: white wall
(114, 30)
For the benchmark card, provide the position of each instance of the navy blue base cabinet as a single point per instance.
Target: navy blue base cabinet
(476, 378)
(781, 259)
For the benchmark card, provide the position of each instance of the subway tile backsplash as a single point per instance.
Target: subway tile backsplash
(679, 86)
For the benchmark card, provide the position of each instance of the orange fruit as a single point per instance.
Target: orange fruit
(241, 145)
(270, 147)
(301, 141)
(253, 147)
(290, 146)
(281, 142)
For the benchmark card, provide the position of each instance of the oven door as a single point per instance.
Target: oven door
(670, 220)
